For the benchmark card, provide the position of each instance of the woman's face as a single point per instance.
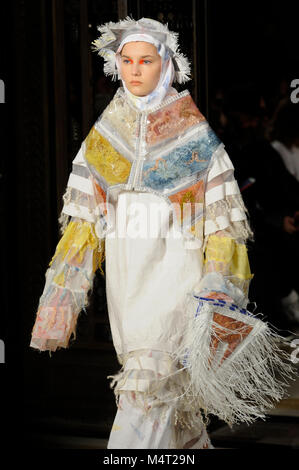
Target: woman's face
(140, 67)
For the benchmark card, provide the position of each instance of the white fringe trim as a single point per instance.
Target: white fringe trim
(246, 384)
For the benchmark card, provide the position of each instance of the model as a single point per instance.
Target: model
(152, 191)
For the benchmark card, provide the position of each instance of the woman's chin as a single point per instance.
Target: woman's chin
(138, 94)
(135, 90)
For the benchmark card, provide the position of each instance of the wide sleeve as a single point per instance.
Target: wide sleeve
(79, 253)
(236, 367)
(69, 278)
(83, 197)
(226, 232)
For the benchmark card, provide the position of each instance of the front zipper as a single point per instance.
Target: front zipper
(141, 140)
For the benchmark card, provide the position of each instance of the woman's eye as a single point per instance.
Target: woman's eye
(142, 61)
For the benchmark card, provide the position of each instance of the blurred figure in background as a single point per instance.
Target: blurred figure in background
(280, 208)
(245, 110)
(217, 117)
(265, 153)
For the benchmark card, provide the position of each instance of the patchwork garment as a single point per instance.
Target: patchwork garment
(154, 194)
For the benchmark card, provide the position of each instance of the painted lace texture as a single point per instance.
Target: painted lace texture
(69, 279)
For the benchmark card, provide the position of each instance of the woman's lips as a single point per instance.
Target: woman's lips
(135, 83)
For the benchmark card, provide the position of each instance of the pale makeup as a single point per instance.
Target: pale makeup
(140, 67)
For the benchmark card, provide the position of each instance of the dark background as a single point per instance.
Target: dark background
(54, 90)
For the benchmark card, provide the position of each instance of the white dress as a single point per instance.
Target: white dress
(149, 271)
(148, 276)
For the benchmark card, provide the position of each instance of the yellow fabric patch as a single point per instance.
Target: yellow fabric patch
(226, 250)
(106, 160)
(59, 279)
(77, 238)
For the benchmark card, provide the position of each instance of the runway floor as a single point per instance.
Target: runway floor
(279, 430)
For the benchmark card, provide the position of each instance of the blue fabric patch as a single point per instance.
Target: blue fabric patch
(182, 162)
(221, 303)
(204, 298)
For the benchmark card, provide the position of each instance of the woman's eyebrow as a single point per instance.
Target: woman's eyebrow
(142, 57)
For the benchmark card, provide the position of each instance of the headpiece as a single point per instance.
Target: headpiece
(113, 34)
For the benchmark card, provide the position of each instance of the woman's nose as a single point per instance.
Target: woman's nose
(135, 69)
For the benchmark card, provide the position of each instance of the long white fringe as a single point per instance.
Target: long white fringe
(245, 385)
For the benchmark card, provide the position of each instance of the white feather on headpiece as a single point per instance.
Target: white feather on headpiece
(113, 33)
